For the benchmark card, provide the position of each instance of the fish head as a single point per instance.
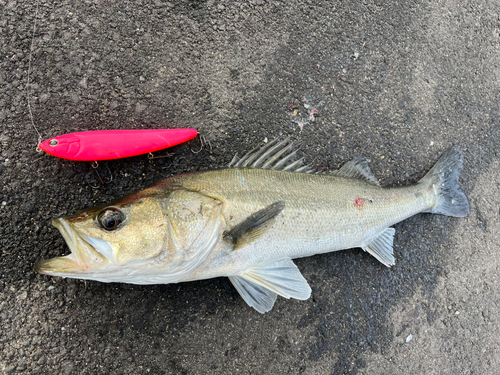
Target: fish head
(146, 238)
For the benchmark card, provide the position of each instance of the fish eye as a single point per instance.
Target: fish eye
(110, 218)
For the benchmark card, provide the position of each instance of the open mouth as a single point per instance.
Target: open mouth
(85, 254)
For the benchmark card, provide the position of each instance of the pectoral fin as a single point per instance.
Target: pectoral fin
(254, 226)
(381, 247)
(259, 286)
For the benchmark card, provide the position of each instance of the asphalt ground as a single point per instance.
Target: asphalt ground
(396, 82)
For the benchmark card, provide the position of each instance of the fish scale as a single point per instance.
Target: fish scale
(322, 212)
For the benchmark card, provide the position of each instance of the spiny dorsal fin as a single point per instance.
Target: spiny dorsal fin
(279, 156)
(254, 226)
(259, 285)
(357, 168)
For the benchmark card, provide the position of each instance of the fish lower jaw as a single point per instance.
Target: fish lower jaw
(69, 267)
(59, 266)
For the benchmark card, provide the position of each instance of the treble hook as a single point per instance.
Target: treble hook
(201, 144)
(167, 155)
(95, 165)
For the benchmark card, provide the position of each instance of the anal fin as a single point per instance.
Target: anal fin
(259, 286)
(381, 247)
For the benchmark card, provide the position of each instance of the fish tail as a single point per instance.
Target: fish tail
(443, 177)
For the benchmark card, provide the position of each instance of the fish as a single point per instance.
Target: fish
(248, 222)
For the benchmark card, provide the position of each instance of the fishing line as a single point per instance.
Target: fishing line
(28, 80)
(104, 144)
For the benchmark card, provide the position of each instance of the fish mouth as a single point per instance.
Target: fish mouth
(87, 254)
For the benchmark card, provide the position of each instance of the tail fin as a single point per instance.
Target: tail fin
(451, 200)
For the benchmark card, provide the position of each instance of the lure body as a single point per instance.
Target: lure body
(114, 144)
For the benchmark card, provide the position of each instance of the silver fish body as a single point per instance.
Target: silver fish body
(322, 213)
(248, 221)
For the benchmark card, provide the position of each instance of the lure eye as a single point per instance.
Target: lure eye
(111, 218)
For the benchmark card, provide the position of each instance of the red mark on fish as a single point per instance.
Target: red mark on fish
(359, 203)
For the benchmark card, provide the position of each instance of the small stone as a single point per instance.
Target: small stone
(83, 82)
(140, 107)
(21, 366)
(67, 367)
(22, 296)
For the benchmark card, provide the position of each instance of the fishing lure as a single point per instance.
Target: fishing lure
(105, 144)
(114, 144)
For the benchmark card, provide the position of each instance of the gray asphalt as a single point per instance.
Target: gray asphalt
(396, 82)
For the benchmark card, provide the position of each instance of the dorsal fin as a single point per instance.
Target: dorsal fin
(357, 168)
(279, 156)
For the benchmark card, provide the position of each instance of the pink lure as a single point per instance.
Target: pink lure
(114, 144)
